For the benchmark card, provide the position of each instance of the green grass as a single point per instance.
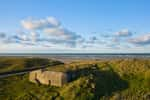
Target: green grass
(18, 87)
(18, 63)
(126, 79)
(8, 64)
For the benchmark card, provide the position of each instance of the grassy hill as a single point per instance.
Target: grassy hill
(18, 63)
(126, 79)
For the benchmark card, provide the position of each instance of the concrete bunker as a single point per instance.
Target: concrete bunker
(47, 77)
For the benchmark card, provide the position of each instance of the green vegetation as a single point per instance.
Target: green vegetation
(117, 79)
(9, 64)
(18, 63)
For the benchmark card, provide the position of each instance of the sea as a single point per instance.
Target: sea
(69, 57)
(78, 55)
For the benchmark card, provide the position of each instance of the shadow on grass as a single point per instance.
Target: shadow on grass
(106, 81)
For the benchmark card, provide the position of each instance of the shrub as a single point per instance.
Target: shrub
(32, 62)
(147, 77)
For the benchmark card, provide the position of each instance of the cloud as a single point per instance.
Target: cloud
(141, 40)
(26, 36)
(120, 37)
(62, 36)
(93, 42)
(32, 24)
(115, 40)
(47, 30)
(61, 33)
(50, 33)
(106, 35)
(19, 39)
(124, 33)
(46, 41)
(2, 35)
(92, 39)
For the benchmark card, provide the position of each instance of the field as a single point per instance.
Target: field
(113, 79)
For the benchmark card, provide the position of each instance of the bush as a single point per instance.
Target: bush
(147, 77)
(80, 89)
(27, 96)
(33, 62)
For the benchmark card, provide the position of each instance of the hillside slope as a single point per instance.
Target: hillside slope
(126, 79)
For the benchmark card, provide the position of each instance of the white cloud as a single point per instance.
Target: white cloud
(48, 31)
(115, 40)
(124, 32)
(32, 24)
(34, 36)
(53, 21)
(141, 40)
(61, 33)
(92, 39)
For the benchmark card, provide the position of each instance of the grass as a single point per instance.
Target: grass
(116, 79)
(19, 88)
(18, 63)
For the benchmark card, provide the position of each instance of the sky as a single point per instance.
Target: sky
(75, 26)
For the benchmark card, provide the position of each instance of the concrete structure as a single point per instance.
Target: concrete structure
(48, 77)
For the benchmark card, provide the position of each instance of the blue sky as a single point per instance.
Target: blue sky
(95, 26)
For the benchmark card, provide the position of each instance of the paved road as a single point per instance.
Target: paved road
(20, 72)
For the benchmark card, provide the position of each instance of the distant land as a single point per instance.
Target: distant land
(69, 57)
(3, 54)
(96, 55)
